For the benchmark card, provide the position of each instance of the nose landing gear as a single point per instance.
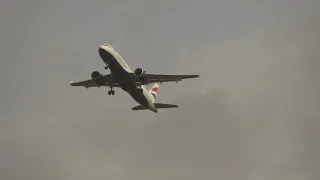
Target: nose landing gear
(140, 90)
(107, 66)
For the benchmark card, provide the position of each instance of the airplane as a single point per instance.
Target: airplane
(132, 82)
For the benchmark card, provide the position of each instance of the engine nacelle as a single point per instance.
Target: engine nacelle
(97, 78)
(139, 72)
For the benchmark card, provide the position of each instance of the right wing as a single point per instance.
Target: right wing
(155, 78)
(106, 80)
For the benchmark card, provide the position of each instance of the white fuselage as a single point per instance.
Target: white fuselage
(120, 72)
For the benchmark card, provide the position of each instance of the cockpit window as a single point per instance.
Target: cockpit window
(108, 46)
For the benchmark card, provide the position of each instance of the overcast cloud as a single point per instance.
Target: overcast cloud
(253, 113)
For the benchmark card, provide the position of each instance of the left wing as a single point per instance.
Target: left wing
(105, 80)
(153, 78)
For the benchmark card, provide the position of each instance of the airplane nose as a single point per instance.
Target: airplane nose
(103, 47)
(106, 46)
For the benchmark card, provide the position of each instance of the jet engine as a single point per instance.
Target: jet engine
(139, 72)
(97, 78)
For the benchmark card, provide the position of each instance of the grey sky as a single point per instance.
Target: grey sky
(252, 114)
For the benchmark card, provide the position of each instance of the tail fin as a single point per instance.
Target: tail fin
(154, 90)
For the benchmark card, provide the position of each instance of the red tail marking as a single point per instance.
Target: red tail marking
(155, 89)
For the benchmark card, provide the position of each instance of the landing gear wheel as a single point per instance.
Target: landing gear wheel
(111, 92)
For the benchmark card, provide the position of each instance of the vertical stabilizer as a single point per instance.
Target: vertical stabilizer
(154, 90)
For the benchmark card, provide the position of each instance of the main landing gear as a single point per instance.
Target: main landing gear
(111, 92)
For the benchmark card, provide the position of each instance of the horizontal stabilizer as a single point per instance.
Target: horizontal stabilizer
(161, 106)
(156, 105)
(140, 107)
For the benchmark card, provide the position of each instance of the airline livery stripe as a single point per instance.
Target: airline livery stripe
(155, 89)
